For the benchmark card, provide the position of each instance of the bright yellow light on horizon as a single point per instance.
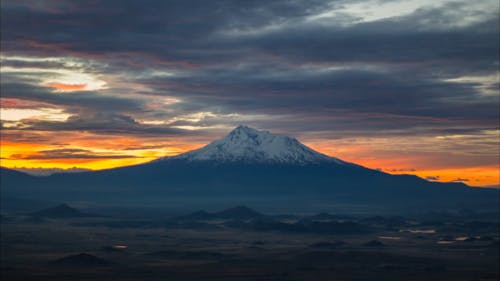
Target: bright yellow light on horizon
(13, 156)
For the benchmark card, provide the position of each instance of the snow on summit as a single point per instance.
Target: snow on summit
(250, 145)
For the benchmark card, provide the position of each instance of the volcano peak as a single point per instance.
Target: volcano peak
(247, 144)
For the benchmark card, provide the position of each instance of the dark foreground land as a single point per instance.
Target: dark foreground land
(240, 244)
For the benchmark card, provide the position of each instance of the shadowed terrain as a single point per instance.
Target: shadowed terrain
(240, 243)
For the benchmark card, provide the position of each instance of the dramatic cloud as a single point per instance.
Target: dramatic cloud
(348, 77)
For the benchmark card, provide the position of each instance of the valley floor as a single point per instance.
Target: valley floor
(35, 249)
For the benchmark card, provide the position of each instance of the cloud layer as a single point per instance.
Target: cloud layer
(319, 70)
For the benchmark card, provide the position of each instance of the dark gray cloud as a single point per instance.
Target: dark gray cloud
(32, 64)
(200, 33)
(460, 180)
(83, 100)
(167, 29)
(103, 123)
(68, 154)
(260, 58)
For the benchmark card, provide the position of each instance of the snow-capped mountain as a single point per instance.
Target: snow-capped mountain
(245, 144)
(247, 165)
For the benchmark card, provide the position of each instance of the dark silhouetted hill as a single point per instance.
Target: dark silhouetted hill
(61, 211)
(79, 260)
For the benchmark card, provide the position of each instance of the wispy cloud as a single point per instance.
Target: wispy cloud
(68, 154)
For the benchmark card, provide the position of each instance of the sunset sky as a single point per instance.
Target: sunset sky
(402, 86)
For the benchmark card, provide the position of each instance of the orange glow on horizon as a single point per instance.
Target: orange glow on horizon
(133, 151)
(136, 151)
(473, 176)
(413, 164)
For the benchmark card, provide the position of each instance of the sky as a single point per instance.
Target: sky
(401, 86)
